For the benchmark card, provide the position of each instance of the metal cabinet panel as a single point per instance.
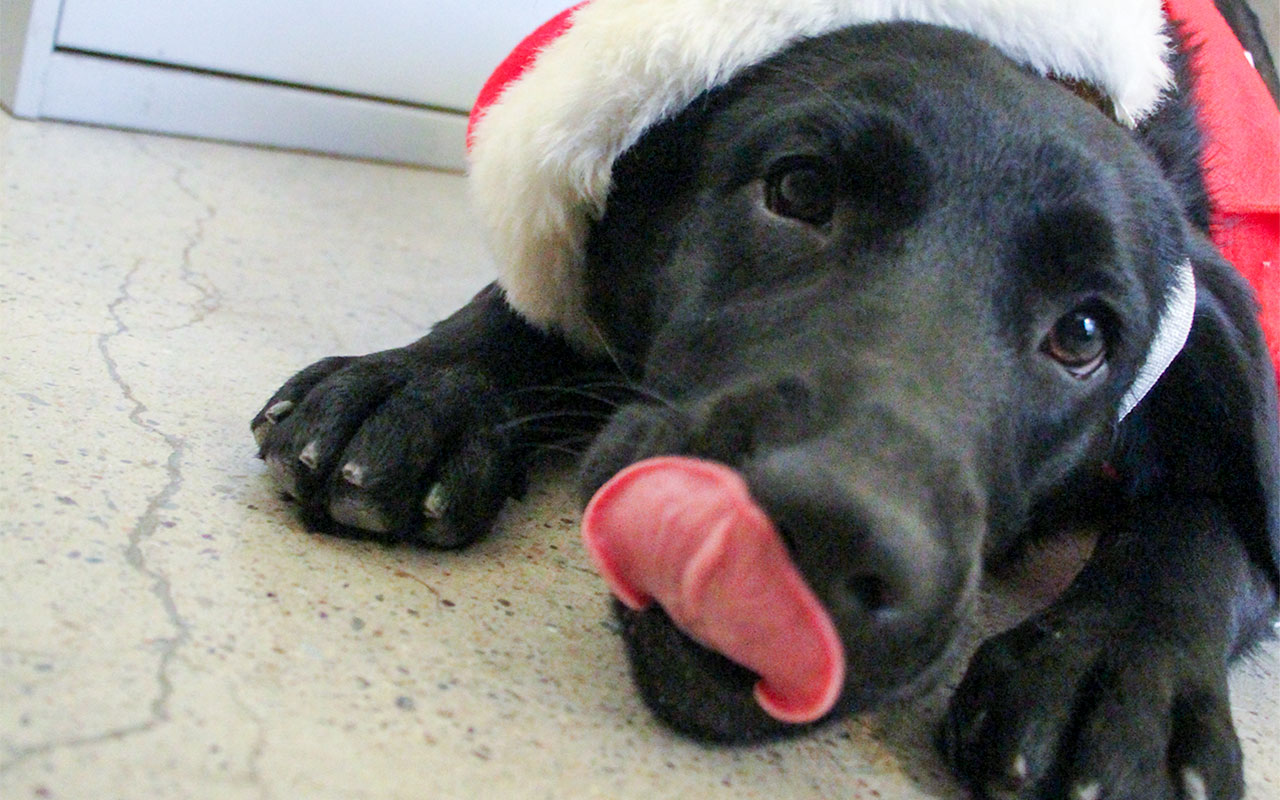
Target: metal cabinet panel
(434, 53)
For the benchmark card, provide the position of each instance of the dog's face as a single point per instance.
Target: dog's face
(902, 286)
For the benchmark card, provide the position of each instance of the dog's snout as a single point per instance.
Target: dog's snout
(873, 556)
(876, 537)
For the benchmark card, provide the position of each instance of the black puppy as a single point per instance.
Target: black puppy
(905, 287)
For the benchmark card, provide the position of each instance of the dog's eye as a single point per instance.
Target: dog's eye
(801, 190)
(1078, 342)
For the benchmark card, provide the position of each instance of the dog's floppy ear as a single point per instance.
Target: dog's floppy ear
(1208, 427)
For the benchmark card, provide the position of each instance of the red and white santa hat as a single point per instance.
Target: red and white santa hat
(553, 119)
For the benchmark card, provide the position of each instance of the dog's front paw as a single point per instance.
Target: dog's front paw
(396, 444)
(1078, 707)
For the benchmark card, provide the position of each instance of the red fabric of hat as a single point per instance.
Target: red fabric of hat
(517, 62)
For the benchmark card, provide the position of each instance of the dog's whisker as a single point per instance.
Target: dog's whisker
(628, 390)
(525, 421)
(566, 449)
(573, 391)
(609, 350)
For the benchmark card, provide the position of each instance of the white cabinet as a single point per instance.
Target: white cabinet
(385, 79)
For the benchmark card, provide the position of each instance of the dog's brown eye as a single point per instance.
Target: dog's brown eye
(802, 191)
(1078, 342)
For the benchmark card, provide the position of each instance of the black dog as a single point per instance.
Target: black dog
(922, 274)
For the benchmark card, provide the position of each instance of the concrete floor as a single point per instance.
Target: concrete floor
(168, 628)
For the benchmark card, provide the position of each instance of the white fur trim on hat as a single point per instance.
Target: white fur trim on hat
(542, 155)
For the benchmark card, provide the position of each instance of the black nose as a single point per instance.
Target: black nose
(887, 535)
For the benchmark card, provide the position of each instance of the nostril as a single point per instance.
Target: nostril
(870, 592)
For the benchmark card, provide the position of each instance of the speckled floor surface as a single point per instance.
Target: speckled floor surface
(168, 630)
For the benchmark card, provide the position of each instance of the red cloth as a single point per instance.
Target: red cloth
(1242, 154)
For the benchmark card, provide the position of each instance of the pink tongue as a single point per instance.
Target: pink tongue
(687, 534)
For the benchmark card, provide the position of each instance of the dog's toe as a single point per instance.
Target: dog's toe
(284, 475)
(354, 510)
(395, 445)
(286, 399)
(1204, 751)
(1064, 707)
(1003, 725)
(1147, 735)
(1010, 784)
(269, 418)
(471, 486)
(1193, 785)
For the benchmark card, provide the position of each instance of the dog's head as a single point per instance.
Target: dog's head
(903, 287)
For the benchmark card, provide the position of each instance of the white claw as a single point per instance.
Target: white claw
(1087, 791)
(354, 474)
(1193, 787)
(279, 411)
(310, 455)
(434, 505)
(1020, 769)
(1010, 786)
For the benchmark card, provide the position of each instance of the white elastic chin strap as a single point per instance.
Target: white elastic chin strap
(1175, 326)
